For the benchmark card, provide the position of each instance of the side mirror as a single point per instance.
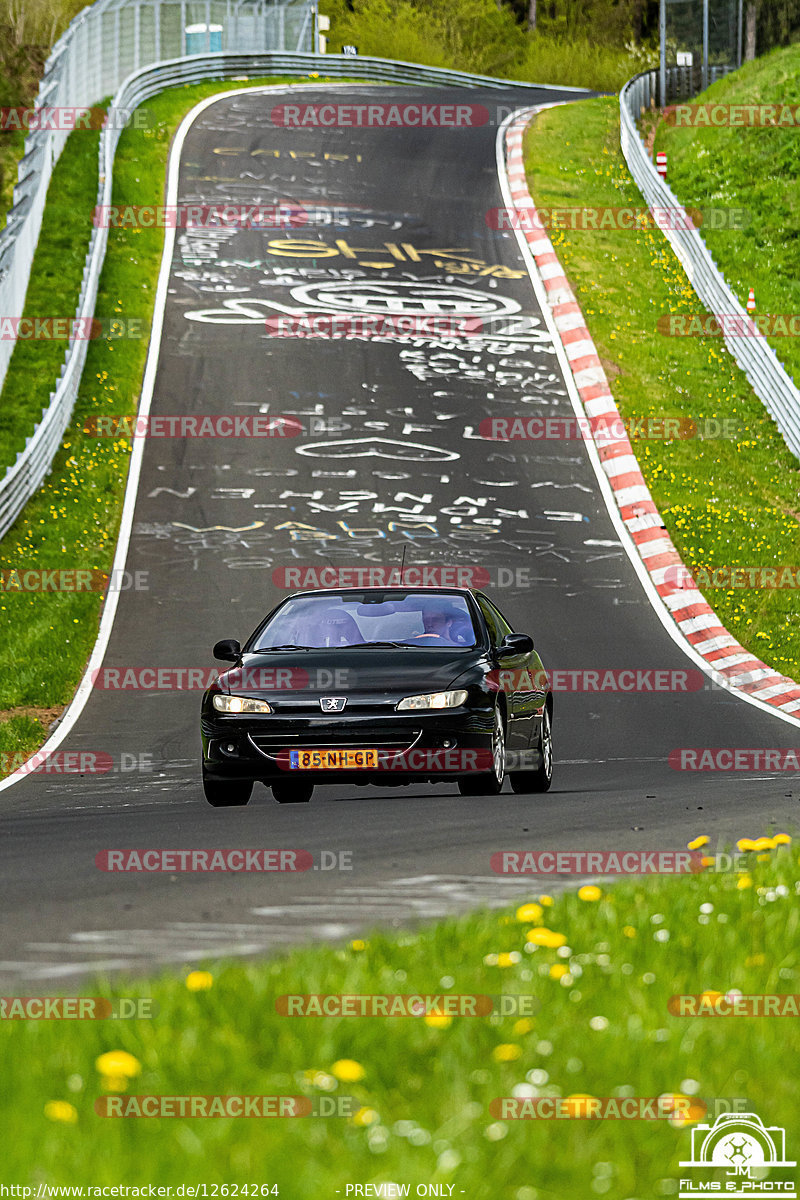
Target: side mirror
(514, 644)
(228, 650)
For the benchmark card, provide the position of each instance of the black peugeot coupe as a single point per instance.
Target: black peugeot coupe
(378, 685)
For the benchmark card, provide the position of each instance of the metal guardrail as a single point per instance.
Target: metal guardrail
(33, 463)
(773, 386)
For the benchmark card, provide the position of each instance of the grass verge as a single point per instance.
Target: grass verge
(596, 1023)
(724, 501)
(53, 291)
(73, 519)
(756, 169)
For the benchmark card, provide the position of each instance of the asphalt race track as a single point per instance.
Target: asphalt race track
(389, 458)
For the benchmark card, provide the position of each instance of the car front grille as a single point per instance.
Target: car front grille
(398, 740)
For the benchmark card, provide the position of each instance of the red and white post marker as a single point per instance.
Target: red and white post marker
(751, 301)
(661, 163)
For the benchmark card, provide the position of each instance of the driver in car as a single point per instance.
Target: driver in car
(437, 623)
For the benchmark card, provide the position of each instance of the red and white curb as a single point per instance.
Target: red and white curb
(733, 666)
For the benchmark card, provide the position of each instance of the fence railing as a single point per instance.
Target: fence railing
(774, 387)
(33, 463)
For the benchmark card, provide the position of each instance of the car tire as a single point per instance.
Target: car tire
(489, 783)
(526, 782)
(227, 793)
(293, 791)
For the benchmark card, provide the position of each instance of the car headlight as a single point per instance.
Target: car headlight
(240, 704)
(434, 700)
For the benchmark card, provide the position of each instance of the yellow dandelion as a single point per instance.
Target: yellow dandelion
(62, 1111)
(558, 971)
(199, 981)
(118, 1063)
(438, 1020)
(697, 843)
(524, 1025)
(547, 901)
(782, 839)
(541, 936)
(506, 1052)
(507, 959)
(590, 892)
(347, 1070)
(744, 881)
(529, 912)
(365, 1116)
(745, 844)
(628, 931)
(358, 944)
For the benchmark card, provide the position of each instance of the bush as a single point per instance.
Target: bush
(467, 35)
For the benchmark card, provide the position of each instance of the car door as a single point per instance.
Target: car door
(507, 671)
(523, 682)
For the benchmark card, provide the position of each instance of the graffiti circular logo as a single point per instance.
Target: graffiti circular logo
(397, 296)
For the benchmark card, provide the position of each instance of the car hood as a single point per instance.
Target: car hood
(381, 673)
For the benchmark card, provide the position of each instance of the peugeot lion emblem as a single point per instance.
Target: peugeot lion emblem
(332, 703)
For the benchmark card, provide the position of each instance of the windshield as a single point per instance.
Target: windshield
(416, 619)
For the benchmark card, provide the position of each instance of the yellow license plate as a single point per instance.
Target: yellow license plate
(332, 760)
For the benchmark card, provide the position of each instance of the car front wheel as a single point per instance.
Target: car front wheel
(490, 783)
(526, 782)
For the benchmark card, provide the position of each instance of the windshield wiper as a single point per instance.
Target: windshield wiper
(378, 645)
(287, 646)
